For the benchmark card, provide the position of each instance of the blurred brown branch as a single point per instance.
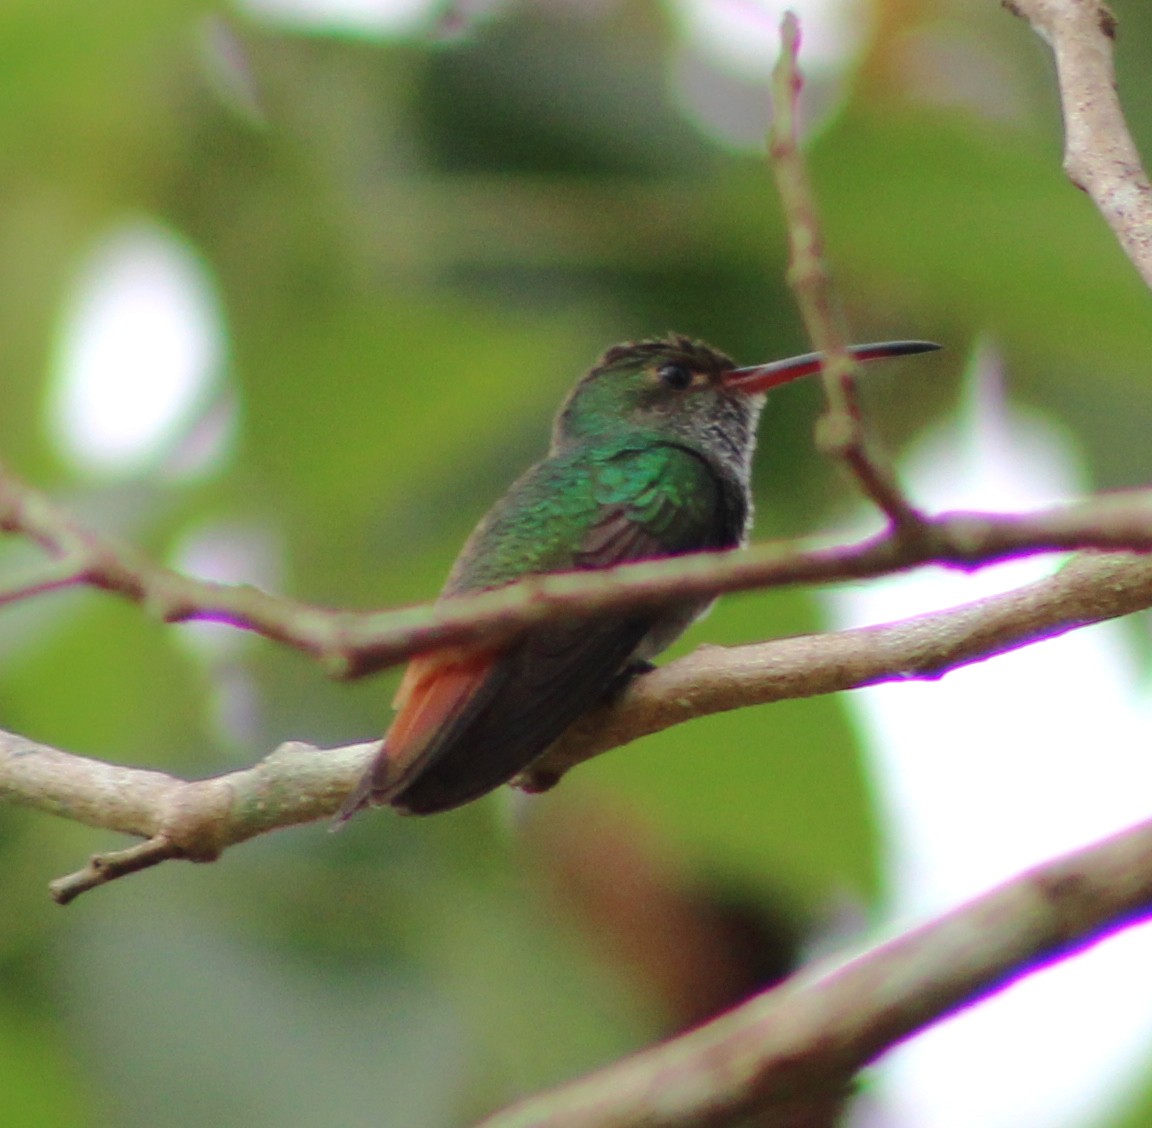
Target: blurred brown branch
(787, 1054)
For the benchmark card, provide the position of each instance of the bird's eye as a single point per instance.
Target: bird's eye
(674, 376)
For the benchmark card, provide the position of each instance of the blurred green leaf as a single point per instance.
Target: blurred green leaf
(40, 1086)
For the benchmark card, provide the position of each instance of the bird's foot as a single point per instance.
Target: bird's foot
(624, 679)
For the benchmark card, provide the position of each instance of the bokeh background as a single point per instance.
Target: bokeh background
(290, 291)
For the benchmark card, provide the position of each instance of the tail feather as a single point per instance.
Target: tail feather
(435, 692)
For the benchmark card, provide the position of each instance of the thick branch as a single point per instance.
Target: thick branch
(789, 1048)
(1099, 154)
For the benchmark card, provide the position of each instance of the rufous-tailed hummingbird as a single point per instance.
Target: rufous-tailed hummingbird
(650, 457)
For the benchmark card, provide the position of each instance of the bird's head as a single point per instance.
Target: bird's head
(670, 388)
(684, 390)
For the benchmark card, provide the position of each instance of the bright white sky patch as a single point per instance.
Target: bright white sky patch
(720, 71)
(141, 347)
(379, 17)
(744, 35)
(991, 770)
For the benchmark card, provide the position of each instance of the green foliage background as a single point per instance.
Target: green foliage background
(417, 245)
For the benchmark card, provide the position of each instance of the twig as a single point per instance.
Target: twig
(50, 576)
(841, 433)
(1100, 156)
(298, 783)
(788, 1048)
(102, 868)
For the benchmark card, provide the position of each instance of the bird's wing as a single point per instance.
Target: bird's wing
(468, 722)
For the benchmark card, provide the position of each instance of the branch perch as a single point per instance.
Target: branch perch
(715, 679)
(298, 783)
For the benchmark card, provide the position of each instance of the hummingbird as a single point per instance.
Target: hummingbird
(650, 457)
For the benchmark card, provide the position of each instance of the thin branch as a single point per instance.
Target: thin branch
(78, 554)
(65, 571)
(841, 433)
(790, 1047)
(1100, 156)
(298, 783)
(352, 644)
